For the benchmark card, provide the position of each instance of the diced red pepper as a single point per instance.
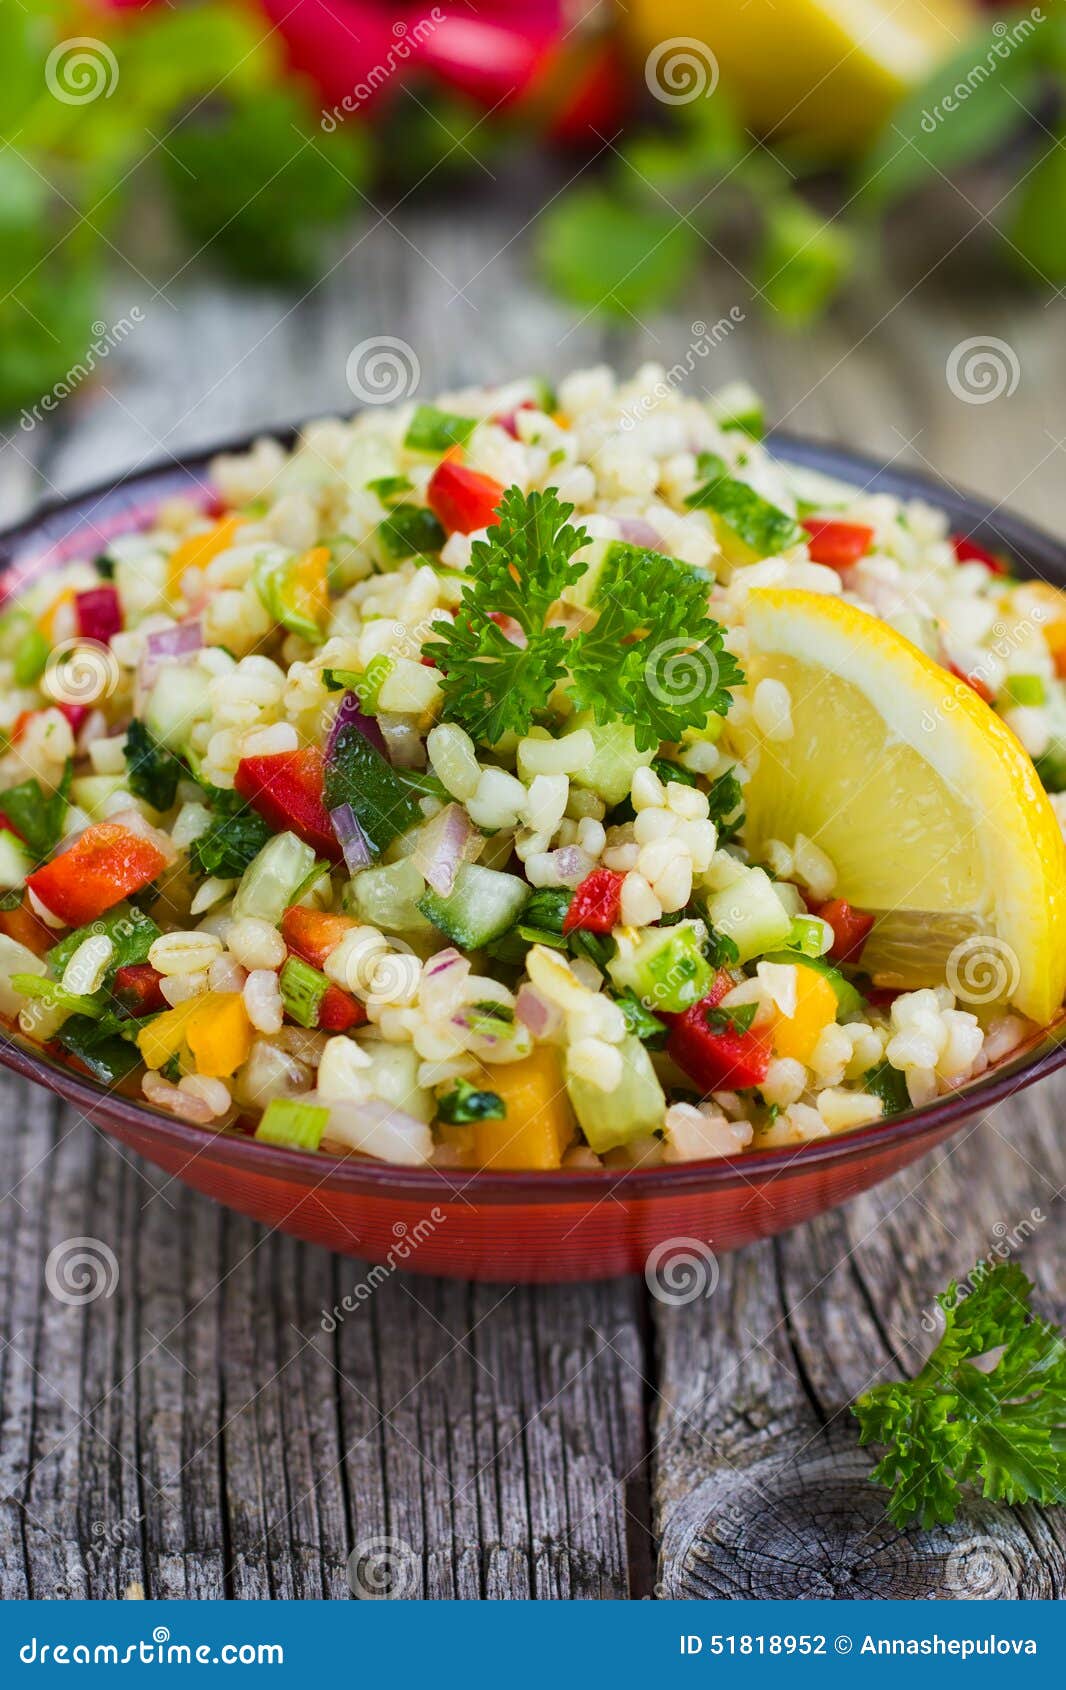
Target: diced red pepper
(108, 863)
(75, 714)
(8, 826)
(313, 934)
(136, 987)
(596, 905)
(881, 997)
(339, 1012)
(462, 499)
(968, 551)
(99, 613)
(26, 928)
(286, 789)
(838, 544)
(851, 929)
(509, 419)
(974, 681)
(725, 1061)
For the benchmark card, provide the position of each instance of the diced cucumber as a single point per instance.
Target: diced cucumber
(393, 1076)
(595, 557)
(751, 914)
(482, 904)
(849, 998)
(91, 792)
(738, 406)
(15, 861)
(615, 760)
(272, 879)
(387, 898)
(180, 697)
(632, 1109)
(664, 966)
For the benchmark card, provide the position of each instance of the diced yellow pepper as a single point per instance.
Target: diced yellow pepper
(219, 1034)
(309, 584)
(164, 1037)
(197, 551)
(46, 622)
(460, 1139)
(539, 1124)
(816, 1006)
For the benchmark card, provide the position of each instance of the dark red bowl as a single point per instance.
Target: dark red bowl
(519, 1226)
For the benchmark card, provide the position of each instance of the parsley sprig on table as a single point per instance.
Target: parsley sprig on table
(988, 1408)
(653, 658)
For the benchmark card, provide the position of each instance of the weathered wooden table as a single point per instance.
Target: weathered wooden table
(198, 1432)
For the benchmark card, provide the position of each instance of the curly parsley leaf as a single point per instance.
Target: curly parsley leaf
(988, 1409)
(38, 819)
(235, 838)
(653, 658)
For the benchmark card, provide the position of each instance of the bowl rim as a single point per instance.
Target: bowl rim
(56, 528)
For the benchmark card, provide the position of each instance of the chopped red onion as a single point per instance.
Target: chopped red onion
(638, 532)
(170, 645)
(442, 962)
(445, 843)
(352, 711)
(351, 838)
(535, 1012)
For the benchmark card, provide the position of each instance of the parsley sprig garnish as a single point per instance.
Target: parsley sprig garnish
(653, 658)
(972, 1415)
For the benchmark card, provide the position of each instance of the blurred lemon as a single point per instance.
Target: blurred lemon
(829, 71)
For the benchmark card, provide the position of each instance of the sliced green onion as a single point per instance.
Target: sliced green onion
(31, 658)
(810, 935)
(1028, 691)
(286, 1121)
(302, 991)
(388, 488)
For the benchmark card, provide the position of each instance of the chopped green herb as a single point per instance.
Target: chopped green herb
(466, 1103)
(38, 819)
(640, 1020)
(132, 933)
(153, 771)
(104, 566)
(735, 1020)
(724, 802)
(889, 1085)
(235, 838)
(668, 771)
(106, 1054)
(410, 531)
(985, 1411)
(433, 430)
(357, 774)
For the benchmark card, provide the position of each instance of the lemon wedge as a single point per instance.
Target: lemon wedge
(830, 70)
(928, 806)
